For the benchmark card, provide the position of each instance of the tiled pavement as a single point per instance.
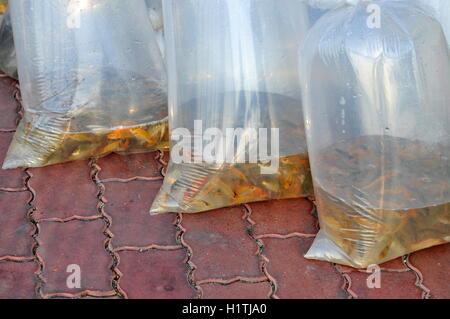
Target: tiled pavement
(94, 214)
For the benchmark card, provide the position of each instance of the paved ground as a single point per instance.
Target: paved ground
(94, 214)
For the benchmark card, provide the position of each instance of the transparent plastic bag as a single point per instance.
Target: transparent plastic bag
(315, 14)
(233, 65)
(326, 5)
(442, 11)
(8, 62)
(376, 100)
(92, 79)
(156, 17)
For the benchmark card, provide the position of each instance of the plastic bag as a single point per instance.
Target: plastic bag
(7, 51)
(156, 17)
(326, 4)
(8, 54)
(442, 11)
(232, 65)
(376, 100)
(92, 79)
(315, 14)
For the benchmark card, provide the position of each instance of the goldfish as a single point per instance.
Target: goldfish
(201, 187)
(75, 146)
(375, 213)
(118, 134)
(143, 135)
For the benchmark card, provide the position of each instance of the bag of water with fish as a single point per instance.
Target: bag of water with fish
(237, 132)
(376, 93)
(92, 79)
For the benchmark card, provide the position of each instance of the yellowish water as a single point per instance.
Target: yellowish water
(377, 207)
(41, 148)
(196, 188)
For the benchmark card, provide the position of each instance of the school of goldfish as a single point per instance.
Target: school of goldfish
(56, 147)
(376, 213)
(202, 187)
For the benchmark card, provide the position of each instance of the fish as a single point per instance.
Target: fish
(203, 187)
(118, 134)
(377, 213)
(250, 193)
(144, 135)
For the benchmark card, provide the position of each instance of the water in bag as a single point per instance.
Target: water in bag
(92, 80)
(376, 91)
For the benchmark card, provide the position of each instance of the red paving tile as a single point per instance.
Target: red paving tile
(283, 217)
(11, 178)
(15, 234)
(155, 274)
(64, 190)
(298, 277)
(222, 248)
(434, 264)
(102, 297)
(236, 291)
(396, 264)
(125, 167)
(390, 282)
(128, 205)
(74, 243)
(219, 258)
(8, 105)
(17, 280)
